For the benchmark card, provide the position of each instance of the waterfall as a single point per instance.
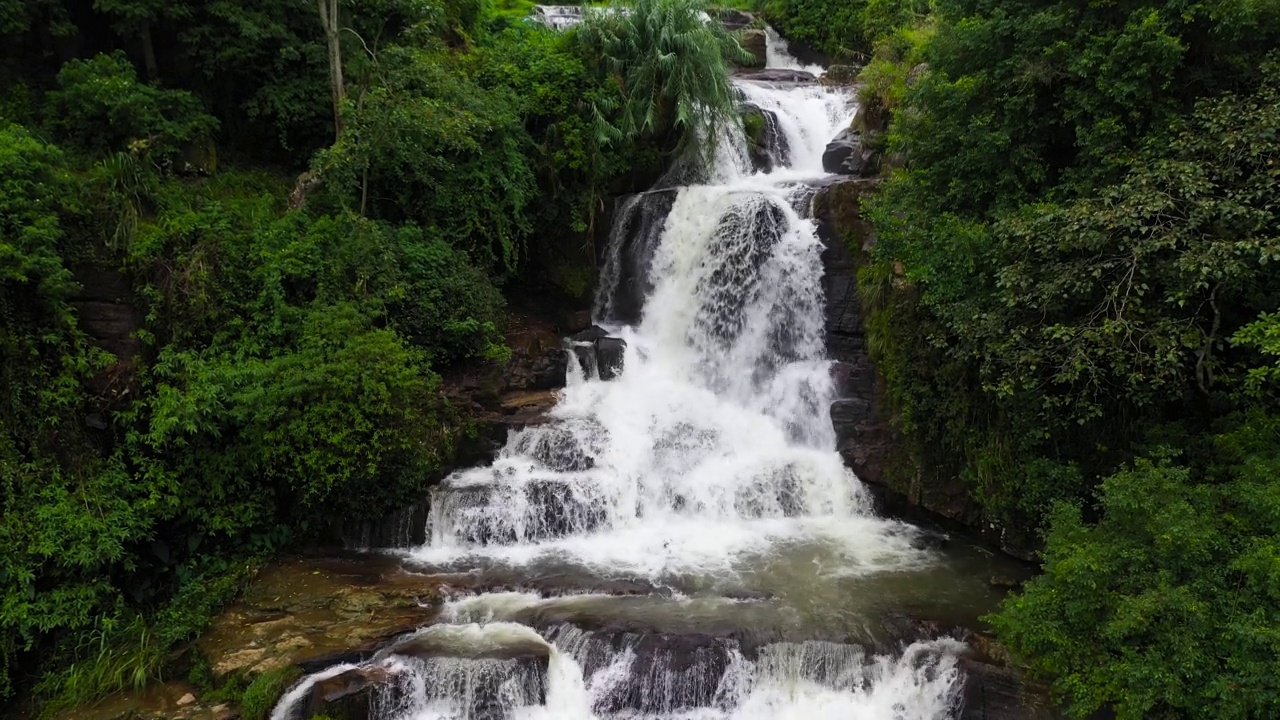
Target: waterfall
(689, 543)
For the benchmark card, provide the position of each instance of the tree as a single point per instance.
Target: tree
(330, 21)
(138, 18)
(1168, 606)
(671, 68)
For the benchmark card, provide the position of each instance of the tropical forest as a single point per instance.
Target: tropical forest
(663, 359)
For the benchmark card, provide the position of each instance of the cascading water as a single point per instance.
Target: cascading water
(698, 547)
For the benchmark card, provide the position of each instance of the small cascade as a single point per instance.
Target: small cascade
(681, 539)
(559, 17)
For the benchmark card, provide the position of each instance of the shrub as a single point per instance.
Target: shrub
(101, 107)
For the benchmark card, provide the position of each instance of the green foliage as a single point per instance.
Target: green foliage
(1023, 98)
(338, 421)
(265, 691)
(101, 107)
(1079, 252)
(831, 26)
(671, 69)
(1167, 606)
(428, 146)
(843, 29)
(883, 82)
(1263, 335)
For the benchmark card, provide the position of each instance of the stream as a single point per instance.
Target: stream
(682, 540)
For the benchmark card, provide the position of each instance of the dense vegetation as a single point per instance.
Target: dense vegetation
(204, 361)
(1074, 300)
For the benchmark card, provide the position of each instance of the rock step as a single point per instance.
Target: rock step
(653, 674)
(513, 513)
(599, 355)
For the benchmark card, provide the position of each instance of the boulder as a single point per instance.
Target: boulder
(599, 355)
(849, 154)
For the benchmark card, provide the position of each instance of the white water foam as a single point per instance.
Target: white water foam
(711, 456)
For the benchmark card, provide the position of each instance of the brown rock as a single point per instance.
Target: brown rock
(186, 700)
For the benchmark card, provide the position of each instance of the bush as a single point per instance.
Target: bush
(100, 107)
(426, 145)
(265, 691)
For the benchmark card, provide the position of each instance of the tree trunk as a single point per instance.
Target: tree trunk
(332, 32)
(149, 53)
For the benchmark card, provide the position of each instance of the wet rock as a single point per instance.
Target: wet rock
(427, 645)
(307, 612)
(700, 661)
(599, 355)
(864, 436)
(590, 335)
(405, 527)
(849, 153)
(779, 75)
(186, 700)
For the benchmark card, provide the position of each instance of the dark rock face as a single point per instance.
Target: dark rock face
(106, 313)
(863, 435)
(849, 154)
(865, 438)
(995, 692)
(609, 356)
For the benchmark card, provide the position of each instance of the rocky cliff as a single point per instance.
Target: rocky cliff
(865, 433)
